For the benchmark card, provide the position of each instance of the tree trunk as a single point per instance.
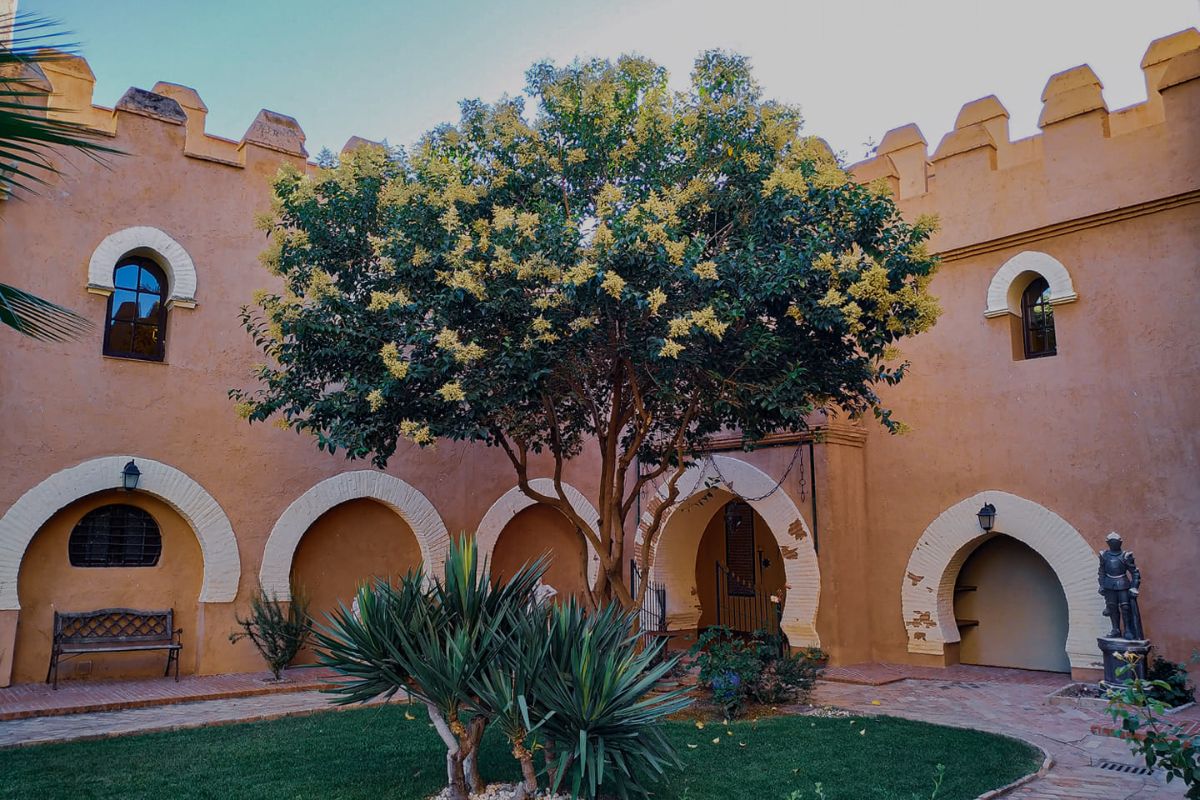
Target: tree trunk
(471, 774)
(551, 765)
(455, 781)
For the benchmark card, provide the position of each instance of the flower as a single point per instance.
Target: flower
(671, 349)
(390, 355)
(452, 392)
(706, 270)
(375, 400)
(655, 298)
(613, 284)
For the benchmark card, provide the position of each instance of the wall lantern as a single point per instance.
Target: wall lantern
(130, 475)
(987, 515)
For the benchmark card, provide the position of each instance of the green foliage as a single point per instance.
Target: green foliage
(1163, 745)
(1177, 691)
(737, 669)
(603, 720)
(629, 266)
(27, 139)
(278, 634)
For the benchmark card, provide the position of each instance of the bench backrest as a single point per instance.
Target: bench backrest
(113, 626)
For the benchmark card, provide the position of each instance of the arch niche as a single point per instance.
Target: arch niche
(220, 563)
(402, 498)
(515, 503)
(1004, 291)
(927, 589)
(674, 551)
(154, 244)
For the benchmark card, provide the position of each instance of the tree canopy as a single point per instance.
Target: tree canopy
(619, 265)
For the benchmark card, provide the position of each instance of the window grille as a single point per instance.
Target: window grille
(115, 536)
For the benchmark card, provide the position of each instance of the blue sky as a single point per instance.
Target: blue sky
(394, 69)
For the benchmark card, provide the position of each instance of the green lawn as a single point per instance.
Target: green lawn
(377, 754)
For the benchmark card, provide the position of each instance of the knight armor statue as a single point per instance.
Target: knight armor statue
(1119, 583)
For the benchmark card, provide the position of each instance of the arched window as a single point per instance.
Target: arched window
(1037, 318)
(115, 536)
(137, 313)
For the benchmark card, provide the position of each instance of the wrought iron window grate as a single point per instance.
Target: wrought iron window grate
(115, 536)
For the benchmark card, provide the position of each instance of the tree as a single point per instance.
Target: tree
(630, 269)
(28, 136)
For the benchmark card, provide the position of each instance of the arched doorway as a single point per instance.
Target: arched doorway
(536, 531)
(739, 568)
(1010, 609)
(704, 487)
(56, 576)
(352, 543)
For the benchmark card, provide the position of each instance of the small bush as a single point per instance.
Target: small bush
(1169, 683)
(278, 634)
(758, 668)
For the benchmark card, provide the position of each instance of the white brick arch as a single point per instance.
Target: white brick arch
(1009, 282)
(514, 501)
(153, 243)
(406, 500)
(218, 545)
(927, 589)
(673, 554)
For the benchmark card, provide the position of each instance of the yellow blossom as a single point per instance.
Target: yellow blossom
(282, 423)
(381, 301)
(452, 392)
(791, 181)
(527, 223)
(582, 324)
(793, 311)
(890, 353)
(576, 155)
(503, 218)
(607, 199)
(415, 432)
(706, 320)
(420, 256)
(541, 324)
(706, 270)
(680, 326)
(832, 299)
(671, 349)
(244, 410)
(375, 400)
(613, 284)
(603, 237)
(396, 366)
(675, 250)
(582, 272)
(825, 262)
(450, 219)
(655, 298)
(320, 285)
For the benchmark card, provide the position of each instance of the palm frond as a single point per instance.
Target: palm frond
(28, 134)
(38, 318)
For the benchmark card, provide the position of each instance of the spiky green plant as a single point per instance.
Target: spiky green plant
(277, 632)
(29, 137)
(433, 640)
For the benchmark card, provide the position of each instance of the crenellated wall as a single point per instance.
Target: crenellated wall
(1100, 436)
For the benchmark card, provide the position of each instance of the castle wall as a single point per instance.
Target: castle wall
(1102, 434)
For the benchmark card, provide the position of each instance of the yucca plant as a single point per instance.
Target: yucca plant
(433, 640)
(28, 139)
(604, 726)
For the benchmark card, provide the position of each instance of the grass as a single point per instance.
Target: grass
(378, 754)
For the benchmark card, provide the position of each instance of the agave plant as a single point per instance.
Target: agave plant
(598, 681)
(433, 640)
(29, 136)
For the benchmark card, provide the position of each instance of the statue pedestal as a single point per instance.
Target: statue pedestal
(1111, 647)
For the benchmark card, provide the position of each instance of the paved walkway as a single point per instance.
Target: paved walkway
(75, 697)
(1002, 701)
(1015, 708)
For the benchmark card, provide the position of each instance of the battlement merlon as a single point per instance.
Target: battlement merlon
(980, 181)
(71, 82)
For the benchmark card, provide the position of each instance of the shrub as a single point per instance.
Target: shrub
(1162, 744)
(759, 667)
(1169, 683)
(278, 634)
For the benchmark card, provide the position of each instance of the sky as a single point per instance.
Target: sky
(392, 70)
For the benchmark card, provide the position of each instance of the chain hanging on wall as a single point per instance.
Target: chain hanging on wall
(796, 456)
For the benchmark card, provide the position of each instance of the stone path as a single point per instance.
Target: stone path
(1020, 710)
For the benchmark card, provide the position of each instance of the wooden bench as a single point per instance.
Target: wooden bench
(114, 630)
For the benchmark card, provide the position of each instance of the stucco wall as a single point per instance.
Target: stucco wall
(536, 531)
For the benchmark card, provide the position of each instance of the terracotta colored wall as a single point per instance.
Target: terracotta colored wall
(1020, 607)
(539, 530)
(47, 582)
(712, 551)
(348, 545)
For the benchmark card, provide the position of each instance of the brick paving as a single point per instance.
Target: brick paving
(879, 674)
(76, 697)
(1014, 707)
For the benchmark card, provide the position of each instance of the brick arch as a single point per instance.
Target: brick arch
(1004, 292)
(673, 556)
(151, 242)
(218, 545)
(927, 589)
(407, 501)
(514, 501)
